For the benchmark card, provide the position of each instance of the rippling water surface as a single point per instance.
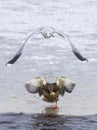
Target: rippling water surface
(43, 122)
(49, 58)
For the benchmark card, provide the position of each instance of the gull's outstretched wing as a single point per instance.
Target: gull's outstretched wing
(65, 84)
(75, 51)
(19, 52)
(17, 55)
(35, 85)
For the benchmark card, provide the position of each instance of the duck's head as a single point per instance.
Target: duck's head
(50, 89)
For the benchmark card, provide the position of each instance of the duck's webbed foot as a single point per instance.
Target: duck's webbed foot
(55, 106)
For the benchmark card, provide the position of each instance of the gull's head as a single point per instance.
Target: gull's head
(47, 32)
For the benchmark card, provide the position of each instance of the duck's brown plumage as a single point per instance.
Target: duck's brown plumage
(50, 91)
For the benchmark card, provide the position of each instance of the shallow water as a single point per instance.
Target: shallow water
(49, 58)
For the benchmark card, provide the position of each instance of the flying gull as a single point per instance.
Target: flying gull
(47, 32)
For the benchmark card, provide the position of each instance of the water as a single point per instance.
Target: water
(43, 122)
(49, 58)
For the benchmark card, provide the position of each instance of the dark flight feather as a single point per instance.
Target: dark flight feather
(14, 59)
(79, 56)
(75, 51)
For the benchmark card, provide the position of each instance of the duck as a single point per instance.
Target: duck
(50, 91)
(46, 32)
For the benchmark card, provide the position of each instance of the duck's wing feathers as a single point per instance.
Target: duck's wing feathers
(35, 85)
(75, 51)
(65, 84)
(19, 52)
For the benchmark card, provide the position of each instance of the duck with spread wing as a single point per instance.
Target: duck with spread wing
(50, 91)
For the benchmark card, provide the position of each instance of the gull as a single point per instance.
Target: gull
(47, 32)
(50, 91)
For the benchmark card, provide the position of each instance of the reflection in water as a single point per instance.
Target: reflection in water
(44, 122)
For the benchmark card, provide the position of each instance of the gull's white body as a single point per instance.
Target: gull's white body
(48, 32)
